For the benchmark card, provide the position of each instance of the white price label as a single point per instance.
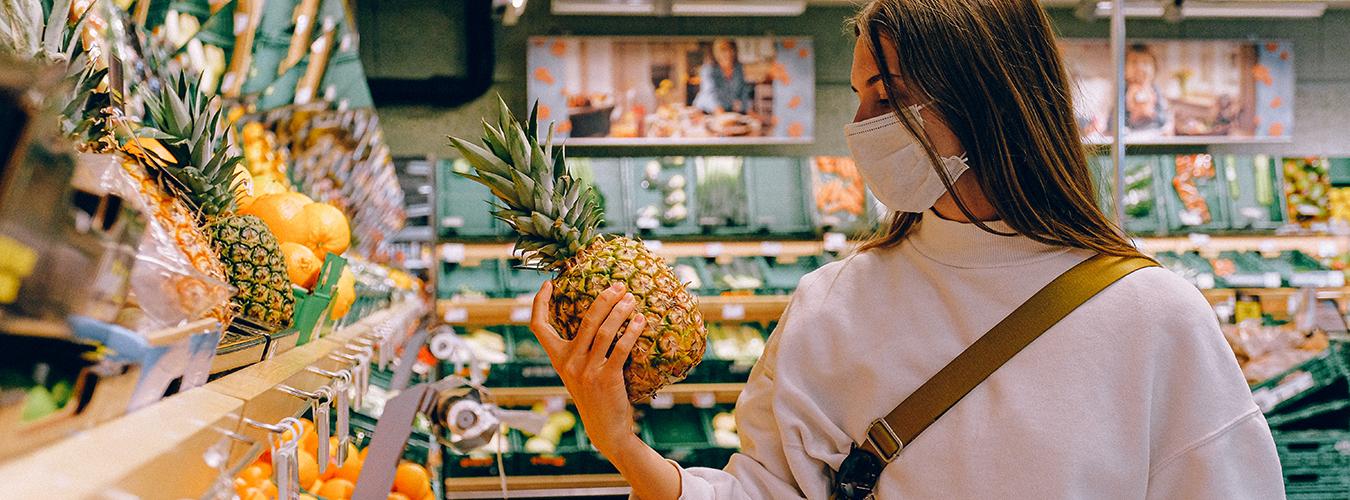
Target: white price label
(770, 248)
(662, 401)
(1273, 280)
(1326, 249)
(704, 400)
(1204, 281)
(456, 315)
(653, 245)
(836, 242)
(520, 314)
(733, 311)
(712, 249)
(647, 223)
(554, 403)
(1200, 240)
(454, 221)
(1335, 278)
(452, 252)
(1269, 246)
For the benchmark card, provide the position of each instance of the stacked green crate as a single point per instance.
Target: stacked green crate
(464, 206)
(662, 194)
(740, 275)
(782, 274)
(540, 456)
(606, 175)
(1142, 198)
(1246, 270)
(486, 279)
(778, 196)
(1191, 266)
(723, 200)
(1254, 186)
(1196, 199)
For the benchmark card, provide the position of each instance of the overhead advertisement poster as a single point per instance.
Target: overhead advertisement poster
(1186, 91)
(674, 90)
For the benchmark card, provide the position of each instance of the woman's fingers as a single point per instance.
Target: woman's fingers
(608, 330)
(548, 337)
(624, 346)
(596, 314)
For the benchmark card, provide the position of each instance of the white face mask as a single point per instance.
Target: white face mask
(894, 164)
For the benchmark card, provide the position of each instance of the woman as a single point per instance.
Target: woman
(722, 85)
(1133, 395)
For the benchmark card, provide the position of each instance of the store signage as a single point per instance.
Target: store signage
(646, 91)
(1186, 91)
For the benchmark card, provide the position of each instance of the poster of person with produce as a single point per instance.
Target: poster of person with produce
(1186, 91)
(681, 90)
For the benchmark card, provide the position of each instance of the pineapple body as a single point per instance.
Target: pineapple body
(674, 340)
(256, 268)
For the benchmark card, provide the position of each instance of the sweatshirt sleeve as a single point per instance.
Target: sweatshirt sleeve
(761, 469)
(1235, 463)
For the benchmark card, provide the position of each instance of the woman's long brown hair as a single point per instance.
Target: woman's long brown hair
(992, 71)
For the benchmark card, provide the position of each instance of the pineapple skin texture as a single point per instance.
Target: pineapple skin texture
(675, 337)
(256, 267)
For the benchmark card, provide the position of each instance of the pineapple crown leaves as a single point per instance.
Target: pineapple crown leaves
(202, 166)
(38, 29)
(555, 213)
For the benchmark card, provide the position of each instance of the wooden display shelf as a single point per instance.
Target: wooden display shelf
(537, 486)
(1313, 244)
(680, 394)
(487, 312)
(472, 253)
(158, 451)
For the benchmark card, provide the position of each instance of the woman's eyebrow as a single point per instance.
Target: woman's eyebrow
(872, 80)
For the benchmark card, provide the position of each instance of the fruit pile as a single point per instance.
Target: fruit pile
(308, 232)
(255, 482)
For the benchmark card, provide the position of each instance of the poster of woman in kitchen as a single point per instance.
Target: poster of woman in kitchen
(682, 90)
(1184, 91)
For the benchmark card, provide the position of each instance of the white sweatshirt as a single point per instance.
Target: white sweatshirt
(1134, 395)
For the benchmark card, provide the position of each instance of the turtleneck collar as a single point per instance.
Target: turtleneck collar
(965, 245)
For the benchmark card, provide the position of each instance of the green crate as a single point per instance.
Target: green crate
(1250, 270)
(1281, 392)
(1144, 179)
(699, 266)
(781, 275)
(464, 206)
(487, 278)
(529, 365)
(1314, 449)
(680, 433)
(606, 175)
(644, 194)
(570, 457)
(1212, 189)
(738, 275)
(1338, 169)
(523, 281)
(779, 201)
(1305, 271)
(1316, 416)
(1332, 482)
(1255, 191)
(823, 172)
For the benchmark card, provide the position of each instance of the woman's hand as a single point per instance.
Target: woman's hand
(595, 380)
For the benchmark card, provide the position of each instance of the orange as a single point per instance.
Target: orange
(327, 229)
(268, 489)
(316, 486)
(398, 496)
(411, 479)
(309, 467)
(253, 494)
(429, 496)
(256, 473)
(351, 469)
(240, 486)
(307, 496)
(337, 489)
(301, 265)
(281, 212)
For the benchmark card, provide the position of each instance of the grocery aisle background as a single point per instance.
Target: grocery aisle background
(389, 49)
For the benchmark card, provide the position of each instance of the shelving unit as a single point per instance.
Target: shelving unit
(516, 311)
(159, 451)
(537, 486)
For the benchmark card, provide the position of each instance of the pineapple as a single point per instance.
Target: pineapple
(185, 145)
(556, 217)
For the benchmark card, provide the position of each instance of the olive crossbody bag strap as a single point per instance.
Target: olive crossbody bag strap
(887, 436)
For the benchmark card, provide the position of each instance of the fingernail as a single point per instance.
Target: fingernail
(639, 319)
(619, 286)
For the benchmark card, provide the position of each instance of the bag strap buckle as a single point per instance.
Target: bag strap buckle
(885, 442)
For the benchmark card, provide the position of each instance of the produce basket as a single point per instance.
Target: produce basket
(487, 279)
(781, 275)
(462, 204)
(1255, 192)
(659, 212)
(1319, 449)
(1317, 375)
(1196, 196)
(73, 394)
(1316, 483)
(1144, 204)
(681, 433)
(570, 457)
(778, 190)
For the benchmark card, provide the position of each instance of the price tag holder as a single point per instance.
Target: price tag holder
(835, 242)
(712, 249)
(1199, 240)
(520, 314)
(456, 315)
(733, 311)
(771, 248)
(1273, 280)
(662, 401)
(653, 245)
(452, 252)
(453, 221)
(1268, 246)
(555, 404)
(1326, 249)
(704, 400)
